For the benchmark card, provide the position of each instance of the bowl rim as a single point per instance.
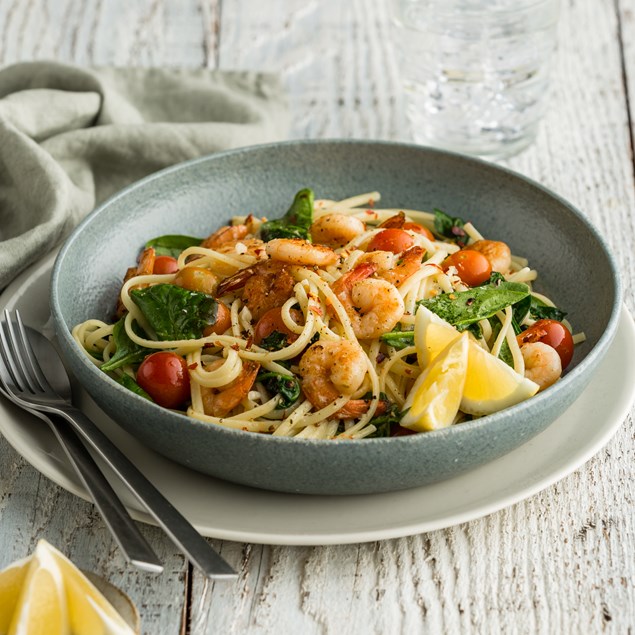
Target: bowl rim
(534, 403)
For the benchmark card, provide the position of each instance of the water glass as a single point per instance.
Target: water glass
(475, 72)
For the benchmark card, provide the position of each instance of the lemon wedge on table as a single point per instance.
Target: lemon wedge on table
(490, 384)
(46, 594)
(434, 400)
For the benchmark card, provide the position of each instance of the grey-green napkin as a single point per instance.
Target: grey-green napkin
(70, 137)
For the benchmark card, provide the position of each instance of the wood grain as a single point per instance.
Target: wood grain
(562, 561)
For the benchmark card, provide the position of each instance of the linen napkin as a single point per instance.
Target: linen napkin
(70, 137)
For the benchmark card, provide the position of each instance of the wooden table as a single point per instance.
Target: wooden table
(563, 561)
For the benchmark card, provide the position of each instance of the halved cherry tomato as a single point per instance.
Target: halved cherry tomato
(471, 266)
(197, 279)
(164, 376)
(164, 264)
(419, 229)
(272, 321)
(552, 333)
(223, 321)
(395, 240)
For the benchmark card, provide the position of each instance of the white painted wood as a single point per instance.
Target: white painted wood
(560, 562)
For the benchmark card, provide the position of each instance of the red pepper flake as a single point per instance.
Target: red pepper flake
(250, 341)
(193, 366)
(235, 347)
(380, 358)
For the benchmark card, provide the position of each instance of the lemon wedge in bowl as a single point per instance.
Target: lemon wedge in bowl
(46, 594)
(436, 396)
(490, 384)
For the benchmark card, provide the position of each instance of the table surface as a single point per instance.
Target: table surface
(562, 561)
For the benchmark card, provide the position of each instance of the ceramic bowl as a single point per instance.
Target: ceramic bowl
(574, 265)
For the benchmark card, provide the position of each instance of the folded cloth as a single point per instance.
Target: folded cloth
(70, 137)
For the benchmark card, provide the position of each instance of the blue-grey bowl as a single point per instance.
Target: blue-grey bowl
(574, 265)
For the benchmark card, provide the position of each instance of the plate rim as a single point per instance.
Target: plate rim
(598, 439)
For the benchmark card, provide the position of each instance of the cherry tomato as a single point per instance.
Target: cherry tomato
(164, 376)
(419, 229)
(395, 240)
(471, 266)
(272, 321)
(223, 321)
(164, 264)
(197, 279)
(552, 333)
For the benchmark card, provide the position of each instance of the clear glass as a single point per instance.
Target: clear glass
(475, 72)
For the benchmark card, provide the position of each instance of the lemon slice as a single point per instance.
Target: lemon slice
(11, 583)
(46, 594)
(490, 385)
(435, 398)
(41, 607)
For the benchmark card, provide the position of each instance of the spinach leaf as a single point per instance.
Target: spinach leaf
(175, 313)
(286, 386)
(172, 245)
(127, 351)
(466, 307)
(398, 339)
(505, 353)
(295, 223)
(520, 311)
(542, 311)
(274, 341)
(128, 382)
(448, 227)
(495, 278)
(385, 422)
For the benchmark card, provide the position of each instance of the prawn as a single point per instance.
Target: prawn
(266, 285)
(219, 402)
(498, 254)
(334, 369)
(295, 251)
(542, 364)
(145, 267)
(372, 305)
(336, 229)
(395, 268)
(230, 234)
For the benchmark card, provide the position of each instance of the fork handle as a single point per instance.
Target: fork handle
(173, 523)
(124, 530)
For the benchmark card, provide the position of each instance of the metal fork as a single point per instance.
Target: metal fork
(22, 377)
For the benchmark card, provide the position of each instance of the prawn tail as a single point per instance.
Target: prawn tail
(355, 408)
(237, 281)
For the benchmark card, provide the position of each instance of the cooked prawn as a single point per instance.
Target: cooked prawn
(542, 363)
(266, 285)
(336, 229)
(372, 305)
(497, 253)
(395, 268)
(229, 234)
(144, 267)
(219, 402)
(295, 251)
(334, 369)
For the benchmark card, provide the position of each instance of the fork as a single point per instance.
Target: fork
(22, 377)
(123, 529)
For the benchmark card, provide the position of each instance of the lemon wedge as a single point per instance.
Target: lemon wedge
(436, 396)
(46, 594)
(490, 384)
(41, 607)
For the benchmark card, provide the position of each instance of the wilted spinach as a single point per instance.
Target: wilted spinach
(128, 382)
(467, 307)
(286, 386)
(295, 223)
(175, 313)
(398, 339)
(172, 245)
(450, 227)
(126, 351)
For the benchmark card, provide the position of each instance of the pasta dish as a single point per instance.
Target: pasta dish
(341, 319)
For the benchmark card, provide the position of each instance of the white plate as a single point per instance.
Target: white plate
(223, 510)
